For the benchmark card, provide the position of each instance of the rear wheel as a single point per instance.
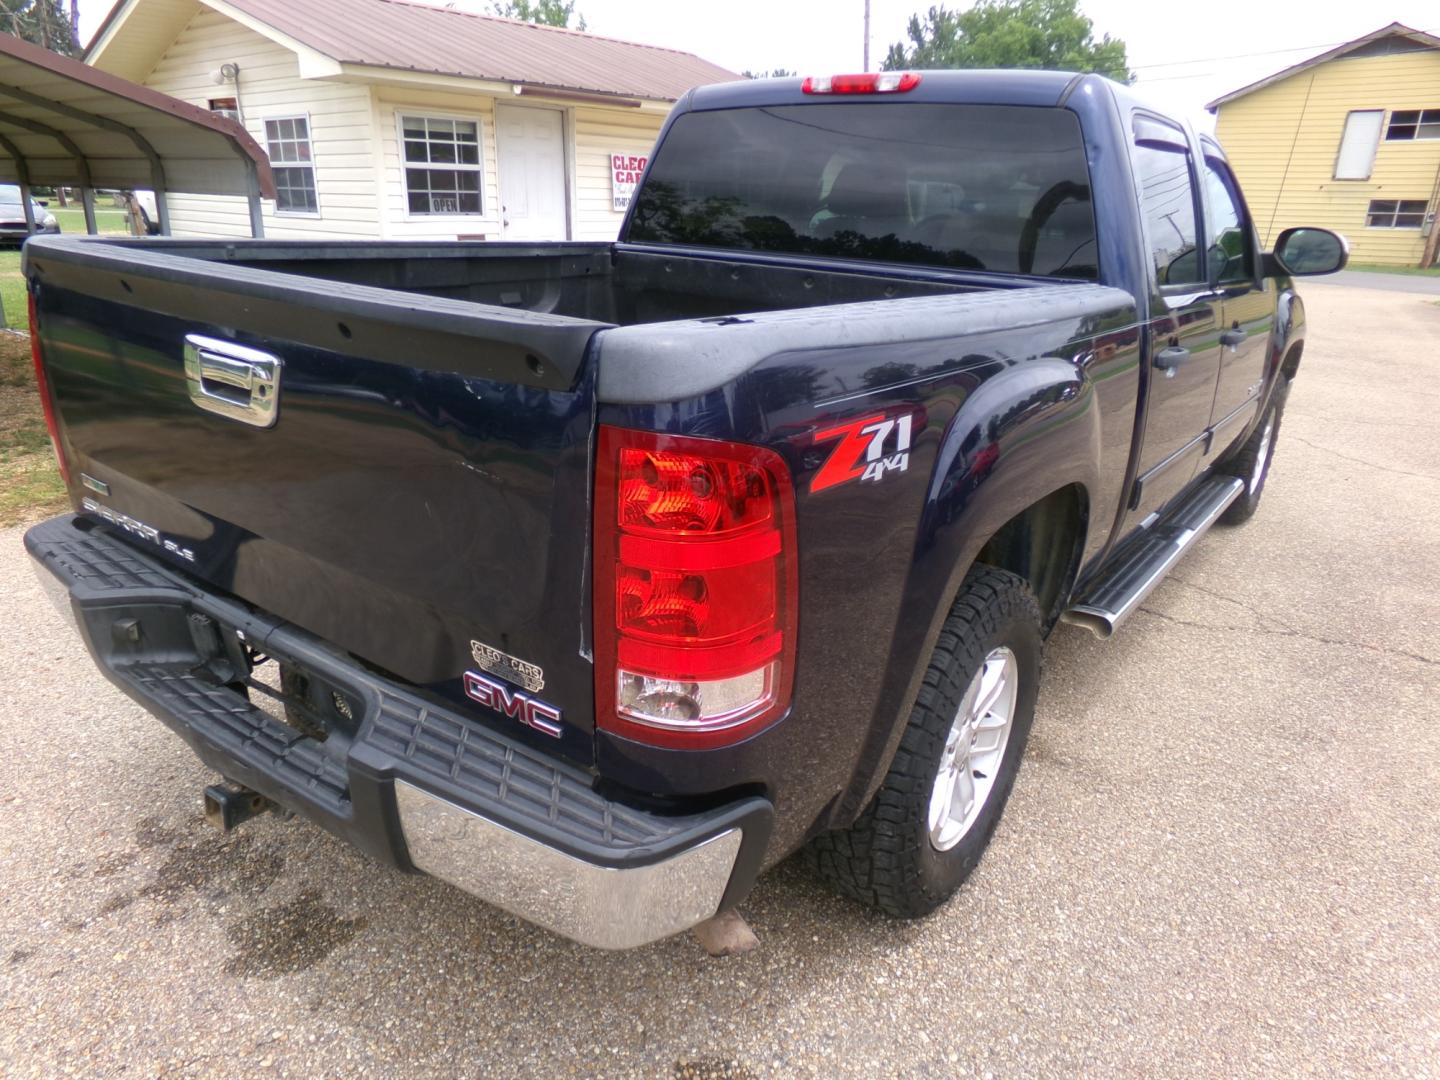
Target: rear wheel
(1251, 462)
(938, 806)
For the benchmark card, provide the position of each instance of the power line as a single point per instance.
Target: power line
(1246, 56)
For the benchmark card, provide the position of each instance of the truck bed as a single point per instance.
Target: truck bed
(424, 490)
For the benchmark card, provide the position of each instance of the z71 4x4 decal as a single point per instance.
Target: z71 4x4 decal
(860, 451)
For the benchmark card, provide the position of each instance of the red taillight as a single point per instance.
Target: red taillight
(42, 384)
(875, 82)
(695, 588)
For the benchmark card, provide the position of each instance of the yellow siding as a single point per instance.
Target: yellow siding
(1283, 141)
(341, 132)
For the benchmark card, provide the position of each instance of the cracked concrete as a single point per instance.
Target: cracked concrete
(1268, 624)
(1367, 463)
(1220, 858)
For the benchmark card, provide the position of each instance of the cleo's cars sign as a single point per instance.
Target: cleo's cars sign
(625, 170)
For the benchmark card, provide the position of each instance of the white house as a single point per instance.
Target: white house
(395, 120)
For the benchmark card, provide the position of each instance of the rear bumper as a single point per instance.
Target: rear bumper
(414, 783)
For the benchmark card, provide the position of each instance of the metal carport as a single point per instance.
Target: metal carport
(64, 123)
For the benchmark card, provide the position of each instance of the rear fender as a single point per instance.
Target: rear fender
(1022, 435)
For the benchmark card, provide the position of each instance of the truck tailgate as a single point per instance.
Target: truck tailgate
(417, 498)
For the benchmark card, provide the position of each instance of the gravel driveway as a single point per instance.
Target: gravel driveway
(1222, 855)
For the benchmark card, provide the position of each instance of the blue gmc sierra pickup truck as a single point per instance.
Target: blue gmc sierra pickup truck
(599, 577)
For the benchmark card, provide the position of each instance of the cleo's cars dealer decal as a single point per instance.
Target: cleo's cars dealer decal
(495, 694)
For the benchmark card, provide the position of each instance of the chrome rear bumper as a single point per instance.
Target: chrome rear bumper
(604, 906)
(416, 783)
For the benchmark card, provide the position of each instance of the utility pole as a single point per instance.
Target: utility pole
(867, 35)
(1432, 221)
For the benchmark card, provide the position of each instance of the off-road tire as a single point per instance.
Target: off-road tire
(885, 859)
(1246, 461)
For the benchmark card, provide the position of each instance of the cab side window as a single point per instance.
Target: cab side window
(1232, 260)
(1167, 194)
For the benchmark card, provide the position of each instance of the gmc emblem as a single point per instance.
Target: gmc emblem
(512, 703)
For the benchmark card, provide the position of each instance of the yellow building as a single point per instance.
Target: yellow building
(1348, 140)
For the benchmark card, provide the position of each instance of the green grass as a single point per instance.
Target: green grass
(72, 219)
(30, 484)
(12, 290)
(1381, 268)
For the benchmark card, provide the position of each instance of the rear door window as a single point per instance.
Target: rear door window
(1165, 178)
(983, 187)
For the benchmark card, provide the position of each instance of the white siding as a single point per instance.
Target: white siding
(598, 134)
(396, 221)
(353, 130)
(340, 131)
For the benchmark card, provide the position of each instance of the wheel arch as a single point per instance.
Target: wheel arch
(1017, 497)
(1043, 545)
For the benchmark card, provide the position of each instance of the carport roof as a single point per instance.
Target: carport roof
(62, 122)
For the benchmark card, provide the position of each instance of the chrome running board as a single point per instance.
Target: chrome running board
(1110, 600)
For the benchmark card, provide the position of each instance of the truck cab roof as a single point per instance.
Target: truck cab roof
(989, 87)
(996, 86)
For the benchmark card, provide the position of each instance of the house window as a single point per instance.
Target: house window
(1358, 144)
(1396, 213)
(292, 161)
(227, 107)
(442, 165)
(1413, 124)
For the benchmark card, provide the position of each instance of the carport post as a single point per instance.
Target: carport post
(26, 205)
(162, 211)
(22, 175)
(87, 200)
(257, 216)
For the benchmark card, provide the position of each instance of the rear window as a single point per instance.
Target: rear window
(982, 187)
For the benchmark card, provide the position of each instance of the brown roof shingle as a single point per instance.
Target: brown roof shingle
(421, 37)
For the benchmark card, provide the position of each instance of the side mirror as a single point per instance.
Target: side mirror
(43, 202)
(1184, 269)
(1305, 252)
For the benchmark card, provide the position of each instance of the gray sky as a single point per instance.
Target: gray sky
(1184, 58)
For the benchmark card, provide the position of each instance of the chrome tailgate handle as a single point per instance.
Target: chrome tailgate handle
(232, 380)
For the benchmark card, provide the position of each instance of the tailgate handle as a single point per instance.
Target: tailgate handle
(232, 380)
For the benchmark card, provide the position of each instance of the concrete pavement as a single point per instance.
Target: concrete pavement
(1221, 857)
(1426, 285)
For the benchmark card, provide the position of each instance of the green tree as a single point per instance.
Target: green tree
(42, 22)
(544, 12)
(1050, 34)
(774, 73)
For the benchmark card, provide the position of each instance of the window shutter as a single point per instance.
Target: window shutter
(1357, 145)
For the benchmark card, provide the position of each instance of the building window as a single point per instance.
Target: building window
(442, 165)
(227, 107)
(292, 161)
(1358, 144)
(1396, 213)
(1413, 124)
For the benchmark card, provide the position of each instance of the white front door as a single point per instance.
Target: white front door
(531, 150)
